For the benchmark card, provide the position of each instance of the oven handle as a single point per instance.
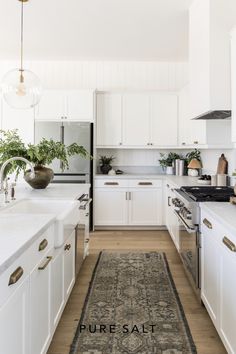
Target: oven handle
(84, 206)
(190, 230)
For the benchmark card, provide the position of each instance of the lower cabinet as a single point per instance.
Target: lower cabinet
(57, 286)
(128, 203)
(69, 265)
(40, 304)
(218, 292)
(14, 322)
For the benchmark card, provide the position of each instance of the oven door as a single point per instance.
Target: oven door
(189, 250)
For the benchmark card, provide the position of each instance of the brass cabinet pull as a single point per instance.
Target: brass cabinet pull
(229, 244)
(111, 183)
(126, 195)
(145, 183)
(43, 245)
(48, 260)
(195, 142)
(67, 247)
(87, 240)
(169, 198)
(207, 223)
(183, 143)
(16, 275)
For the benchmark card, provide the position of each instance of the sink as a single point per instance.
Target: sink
(66, 213)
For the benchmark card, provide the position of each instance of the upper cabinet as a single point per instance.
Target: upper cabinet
(76, 105)
(20, 119)
(233, 83)
(109, 113)
(136, 125)
(209, 55)
(137, 119)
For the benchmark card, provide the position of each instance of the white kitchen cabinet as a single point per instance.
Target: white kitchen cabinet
(209, 271)
(109, 119)
(69, 265)
(128, 202)
(14, 322)
(218, 267)
(145, 206)
(163, 120)
(110, 206)
(57, 105)
(171, 220)
(57, 286)
(191, 132)
(233, 83)
(20, 119)
(136, 121)
(40, 305)
(227, 308)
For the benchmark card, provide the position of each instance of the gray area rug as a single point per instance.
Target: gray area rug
(132, 307)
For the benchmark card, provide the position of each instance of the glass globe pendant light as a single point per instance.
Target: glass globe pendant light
(21, 88)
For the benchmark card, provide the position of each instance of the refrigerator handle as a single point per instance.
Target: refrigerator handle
(62, 135)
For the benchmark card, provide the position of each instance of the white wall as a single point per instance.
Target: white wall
(107, 75)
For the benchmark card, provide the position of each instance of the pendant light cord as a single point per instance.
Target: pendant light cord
(22, 37)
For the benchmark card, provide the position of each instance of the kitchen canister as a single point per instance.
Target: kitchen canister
(214, 180)
(221, 180)
(181, 168)
(177, 167)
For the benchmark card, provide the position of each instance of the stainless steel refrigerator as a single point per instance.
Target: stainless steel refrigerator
(80, 169)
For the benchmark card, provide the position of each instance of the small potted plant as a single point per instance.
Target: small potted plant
(105, 163)
(167, 162)
(41, 155)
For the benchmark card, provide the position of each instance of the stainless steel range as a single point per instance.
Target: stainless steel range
(186, 207)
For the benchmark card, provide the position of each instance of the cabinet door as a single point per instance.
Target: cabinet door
(209, 274)
(111, 207)
(109, 117)
(164, 119)
(227, 297)
(80, 105)
(57, 286)
(51, 106)
(69, 265)
(145, 206)
(21, 119)
(191, 132)
(136, 120)
(14, 322)
(40, 305)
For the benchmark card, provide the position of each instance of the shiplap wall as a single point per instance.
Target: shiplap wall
(107, 75)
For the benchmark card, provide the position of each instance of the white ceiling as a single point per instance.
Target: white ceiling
(154, 30)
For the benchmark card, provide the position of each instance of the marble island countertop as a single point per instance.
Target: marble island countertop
(223, 212)
(18, 232)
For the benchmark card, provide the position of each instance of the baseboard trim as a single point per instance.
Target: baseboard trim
(130, 228)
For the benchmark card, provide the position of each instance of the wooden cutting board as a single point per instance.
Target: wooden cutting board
(222, 167)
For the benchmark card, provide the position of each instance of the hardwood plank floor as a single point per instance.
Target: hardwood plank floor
(203, 331)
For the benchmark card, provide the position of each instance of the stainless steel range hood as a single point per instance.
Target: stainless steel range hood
(214, 115)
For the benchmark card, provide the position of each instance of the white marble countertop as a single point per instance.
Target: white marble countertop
(223, 212)
(53, 191)
(18, 232)
(178, 181)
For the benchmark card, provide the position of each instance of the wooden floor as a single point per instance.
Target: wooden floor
(203, 331)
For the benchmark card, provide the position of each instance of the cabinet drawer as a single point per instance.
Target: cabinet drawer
(14, 276)
(145, 183)
(111, 183)
(41, 246)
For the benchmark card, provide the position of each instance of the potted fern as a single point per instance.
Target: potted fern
(41, 155)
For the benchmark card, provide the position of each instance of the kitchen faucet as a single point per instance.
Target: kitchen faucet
(5, 189)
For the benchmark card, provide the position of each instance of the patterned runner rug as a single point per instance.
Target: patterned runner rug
(132, 307)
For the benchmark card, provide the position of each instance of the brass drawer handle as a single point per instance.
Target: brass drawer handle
(43, 245)
(87, 240)
(145, 183)
(195, 142)
(207, 223)
(67, 247)
(16, 275)
(45, 264)
(111, 183)
(229, 244)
